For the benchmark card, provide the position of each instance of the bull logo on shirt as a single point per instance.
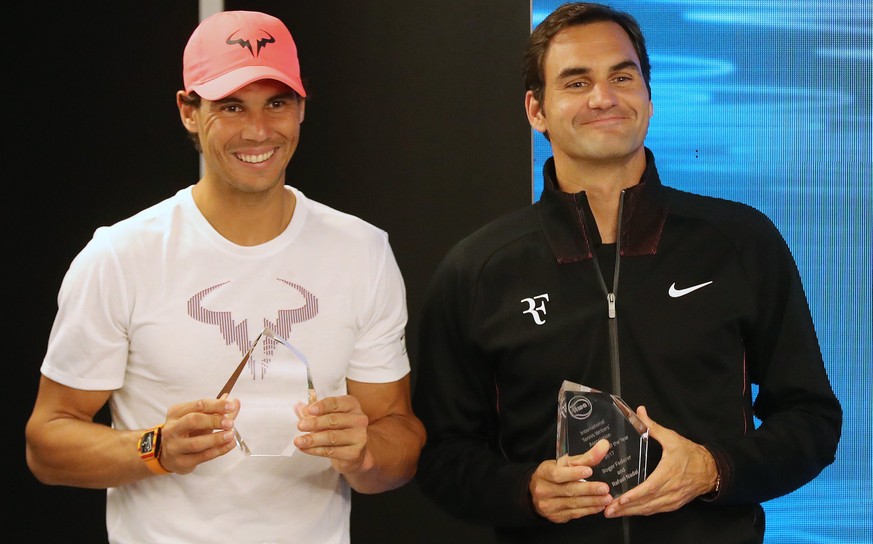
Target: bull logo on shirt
(238, 333)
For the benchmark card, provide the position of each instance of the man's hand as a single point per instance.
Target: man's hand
(686, 471)
(189, 436)
(336, 428)
(558, 491)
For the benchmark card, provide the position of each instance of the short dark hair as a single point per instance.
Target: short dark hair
(574, 14)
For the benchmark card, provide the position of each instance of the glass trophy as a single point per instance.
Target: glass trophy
(585, 416)
(272, 383)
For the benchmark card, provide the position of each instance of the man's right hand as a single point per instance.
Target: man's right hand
(196, 432)
(558, 491)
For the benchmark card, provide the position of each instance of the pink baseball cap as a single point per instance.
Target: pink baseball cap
(231, 49)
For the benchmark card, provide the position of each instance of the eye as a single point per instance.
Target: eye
(231, 108)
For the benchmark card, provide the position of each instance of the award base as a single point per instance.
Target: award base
(585, 416)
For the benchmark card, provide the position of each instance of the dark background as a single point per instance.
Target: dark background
(414, 122)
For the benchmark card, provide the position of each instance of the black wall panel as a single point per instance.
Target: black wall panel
(414, 122)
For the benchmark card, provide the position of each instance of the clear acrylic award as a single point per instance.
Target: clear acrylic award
(272, 383)
(585, 416)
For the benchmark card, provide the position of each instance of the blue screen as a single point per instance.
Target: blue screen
(769, 103)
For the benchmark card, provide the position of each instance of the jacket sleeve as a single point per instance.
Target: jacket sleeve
(800, 417)
(461, 468)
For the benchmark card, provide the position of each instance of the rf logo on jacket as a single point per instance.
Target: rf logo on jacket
(537, 312)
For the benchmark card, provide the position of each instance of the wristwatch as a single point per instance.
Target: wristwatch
(149, 447)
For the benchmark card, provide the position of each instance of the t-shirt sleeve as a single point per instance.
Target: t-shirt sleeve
(379, 354)
(87, 347)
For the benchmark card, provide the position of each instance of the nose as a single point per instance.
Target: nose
(601, 96)
(257, 127)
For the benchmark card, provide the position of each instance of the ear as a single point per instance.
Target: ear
(302, 108)
(535, 114)
(186, 113)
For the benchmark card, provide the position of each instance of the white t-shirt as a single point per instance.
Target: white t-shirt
(159, 308)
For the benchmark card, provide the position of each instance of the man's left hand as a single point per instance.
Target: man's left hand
(336, 428)
(686, 471)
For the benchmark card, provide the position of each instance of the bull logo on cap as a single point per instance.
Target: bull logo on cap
(247, 44)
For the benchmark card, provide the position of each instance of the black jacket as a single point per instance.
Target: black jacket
(489, 374)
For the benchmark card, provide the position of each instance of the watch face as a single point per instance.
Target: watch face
(147, 442)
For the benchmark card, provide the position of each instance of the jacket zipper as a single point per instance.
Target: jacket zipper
(611, 315)
(610, 303)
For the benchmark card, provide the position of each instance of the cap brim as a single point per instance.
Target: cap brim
(231, 82)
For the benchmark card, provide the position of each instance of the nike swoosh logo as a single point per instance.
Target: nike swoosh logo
(676, 293)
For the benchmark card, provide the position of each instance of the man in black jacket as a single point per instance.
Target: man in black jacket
(677, 302)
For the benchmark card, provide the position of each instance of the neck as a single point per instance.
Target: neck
(246, 219)
(602, 182)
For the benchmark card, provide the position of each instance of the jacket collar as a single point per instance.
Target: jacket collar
(570, 228)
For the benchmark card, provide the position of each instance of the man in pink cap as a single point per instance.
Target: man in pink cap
(238, 272)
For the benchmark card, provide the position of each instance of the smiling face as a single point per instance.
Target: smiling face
(596, 106)
(249, 137)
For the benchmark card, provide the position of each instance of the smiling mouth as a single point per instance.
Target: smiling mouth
(255, 159)
(605, 120)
